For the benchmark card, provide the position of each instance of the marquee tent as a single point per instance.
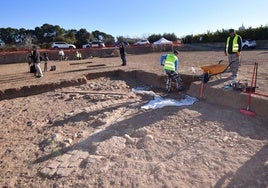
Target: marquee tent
(162, 41)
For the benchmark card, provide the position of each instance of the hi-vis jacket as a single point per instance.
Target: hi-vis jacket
(235, 44)
(170, 62)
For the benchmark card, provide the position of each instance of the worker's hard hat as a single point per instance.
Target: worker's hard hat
(231, 30)
(176, 52)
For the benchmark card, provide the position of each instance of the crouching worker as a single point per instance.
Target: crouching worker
(170, 63)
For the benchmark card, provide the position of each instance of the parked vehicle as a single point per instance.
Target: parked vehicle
(119, 43)
(248, 43)
(142, 42)
(94, 44)
(86, 45)
(59, 45)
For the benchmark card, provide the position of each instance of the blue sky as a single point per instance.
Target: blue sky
(135, 18)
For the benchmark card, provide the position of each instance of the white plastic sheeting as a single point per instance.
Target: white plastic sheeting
(159, 102)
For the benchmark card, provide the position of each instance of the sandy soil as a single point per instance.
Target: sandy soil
(96, 134)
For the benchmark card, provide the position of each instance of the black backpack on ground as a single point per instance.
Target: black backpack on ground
(53, 68)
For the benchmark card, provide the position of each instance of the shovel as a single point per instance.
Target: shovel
(247, 110)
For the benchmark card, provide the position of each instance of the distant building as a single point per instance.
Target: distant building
(242, 28)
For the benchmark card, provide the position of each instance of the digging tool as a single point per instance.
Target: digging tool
(258, 93)
(255, 85)
(256, 75)
(247, 110)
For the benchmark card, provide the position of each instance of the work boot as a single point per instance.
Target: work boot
(180, 89)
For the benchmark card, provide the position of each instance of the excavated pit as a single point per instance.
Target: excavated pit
(133, 78)
(213, 94)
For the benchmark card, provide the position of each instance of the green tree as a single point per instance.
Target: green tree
(49, 32)
(106, 38)
(170, 36)
(82, 37)
(70, 36)
(154, 37)
(8, 35)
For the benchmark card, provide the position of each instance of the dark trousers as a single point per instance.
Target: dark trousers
(124, 60)
(173, 76)
(45, 66)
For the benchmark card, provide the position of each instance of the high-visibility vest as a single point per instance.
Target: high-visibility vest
(78, 55)
(235, 44)
(170, 62)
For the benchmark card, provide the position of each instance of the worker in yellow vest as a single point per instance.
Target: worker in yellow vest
(78, 55)
(233, 48)
(170, 63)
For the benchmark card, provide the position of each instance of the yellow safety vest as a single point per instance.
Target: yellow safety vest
(235, 44)
(170, 62)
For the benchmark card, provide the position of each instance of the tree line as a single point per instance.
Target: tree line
(46, 34)
(259, 33)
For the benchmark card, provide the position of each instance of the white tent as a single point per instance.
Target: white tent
(162, 41)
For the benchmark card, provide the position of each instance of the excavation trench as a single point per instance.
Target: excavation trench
(133, 79)
(213, 94)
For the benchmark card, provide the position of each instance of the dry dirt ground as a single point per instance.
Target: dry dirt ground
(96, 133)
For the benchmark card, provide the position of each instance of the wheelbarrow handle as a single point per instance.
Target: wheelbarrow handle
(256, 73)
(220, 61)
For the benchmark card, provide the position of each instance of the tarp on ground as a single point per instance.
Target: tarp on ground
(159, 102)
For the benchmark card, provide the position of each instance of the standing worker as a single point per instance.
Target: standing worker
(61, 55)
(29, 60)
(46, 59)
(233, 48)
(123, 54)
(170, 63)
(36, 61)
(78, 55)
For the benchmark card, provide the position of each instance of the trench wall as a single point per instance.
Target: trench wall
(192, 85)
